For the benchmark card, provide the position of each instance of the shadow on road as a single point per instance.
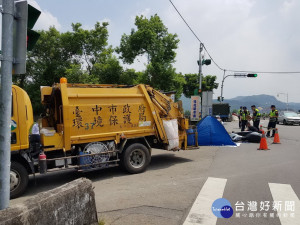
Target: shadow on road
(56, 179)
(162, 161)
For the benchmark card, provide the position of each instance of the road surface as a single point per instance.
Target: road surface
(179, 187)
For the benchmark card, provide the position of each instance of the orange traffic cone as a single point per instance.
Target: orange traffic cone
(276, 137)
(263, 142)
(260, 128)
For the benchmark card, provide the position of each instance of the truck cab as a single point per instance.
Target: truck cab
(21, 123)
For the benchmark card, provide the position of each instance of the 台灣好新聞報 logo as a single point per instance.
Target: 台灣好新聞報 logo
(221, 208)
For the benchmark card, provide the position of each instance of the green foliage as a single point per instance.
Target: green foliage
(209, 83)
(187, 113)
(109, 71)
(88, 46)
(83, 56)
(131, 77)
(192, 83)
(152, 39)
(101, 222)
(234, 111)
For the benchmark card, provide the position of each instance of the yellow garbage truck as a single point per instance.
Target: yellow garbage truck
(88, 127)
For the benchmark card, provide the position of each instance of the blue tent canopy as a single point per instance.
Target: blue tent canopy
(212, 132)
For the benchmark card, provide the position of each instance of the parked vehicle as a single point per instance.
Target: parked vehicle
(288, 117)
(222, 110)
(88, 127)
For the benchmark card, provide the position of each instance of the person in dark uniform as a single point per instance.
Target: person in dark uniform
(256, 116)
(273, 115)
(251, 128)
(239, 116)
(244, 117)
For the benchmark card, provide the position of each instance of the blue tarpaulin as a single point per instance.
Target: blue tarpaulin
(212, 133)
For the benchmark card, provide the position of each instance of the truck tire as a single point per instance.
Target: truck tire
(136, 158)
(18, 179)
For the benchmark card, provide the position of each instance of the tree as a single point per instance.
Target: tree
(83, 56)
(131, 77)
(187, 113)
(46, 63)
(192, 83)
(88, 47)
(153, 40)
(209, 83)
(235, 111)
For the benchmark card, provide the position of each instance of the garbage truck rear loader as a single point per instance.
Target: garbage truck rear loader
(89, 127)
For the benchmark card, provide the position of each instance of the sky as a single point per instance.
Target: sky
(256, 35)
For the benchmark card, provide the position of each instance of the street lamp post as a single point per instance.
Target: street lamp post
(200, 75)
(222, 85)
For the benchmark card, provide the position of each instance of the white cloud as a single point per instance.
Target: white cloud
(46, 19)
(241, 34)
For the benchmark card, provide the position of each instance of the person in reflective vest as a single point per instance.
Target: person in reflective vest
(239, 116)
(256, 116)
(244, 117)
(273, 115)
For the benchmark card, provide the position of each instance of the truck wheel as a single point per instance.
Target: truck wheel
(136, 158)
(284, 122)
(18, 179)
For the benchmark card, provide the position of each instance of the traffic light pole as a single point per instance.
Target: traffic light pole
(6, 100)
(235, 75)
(200, 75)
(222, 86)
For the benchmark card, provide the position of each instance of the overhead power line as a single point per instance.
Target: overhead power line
(217, 65)
(185, 22)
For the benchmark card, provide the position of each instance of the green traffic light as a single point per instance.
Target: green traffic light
(251, 75)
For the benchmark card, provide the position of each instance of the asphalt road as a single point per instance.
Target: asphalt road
(166, 192)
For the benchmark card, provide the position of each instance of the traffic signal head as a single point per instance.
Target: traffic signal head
(251, 75)
(19, 37)
(32, 36)
(24, 38)
(206, 62)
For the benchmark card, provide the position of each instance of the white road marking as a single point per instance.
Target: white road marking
(285, 193)
(200, 212)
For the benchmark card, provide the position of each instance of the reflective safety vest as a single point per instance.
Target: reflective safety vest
(240, 112)
(244, 115)
(273, 113)
(257, 116)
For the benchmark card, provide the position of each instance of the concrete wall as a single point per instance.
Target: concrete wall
(72, 203)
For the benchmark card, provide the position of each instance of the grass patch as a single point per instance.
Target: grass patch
(101, 222)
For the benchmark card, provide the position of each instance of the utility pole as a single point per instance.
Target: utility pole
(6, 100)
(200, 75)
(222, 86)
